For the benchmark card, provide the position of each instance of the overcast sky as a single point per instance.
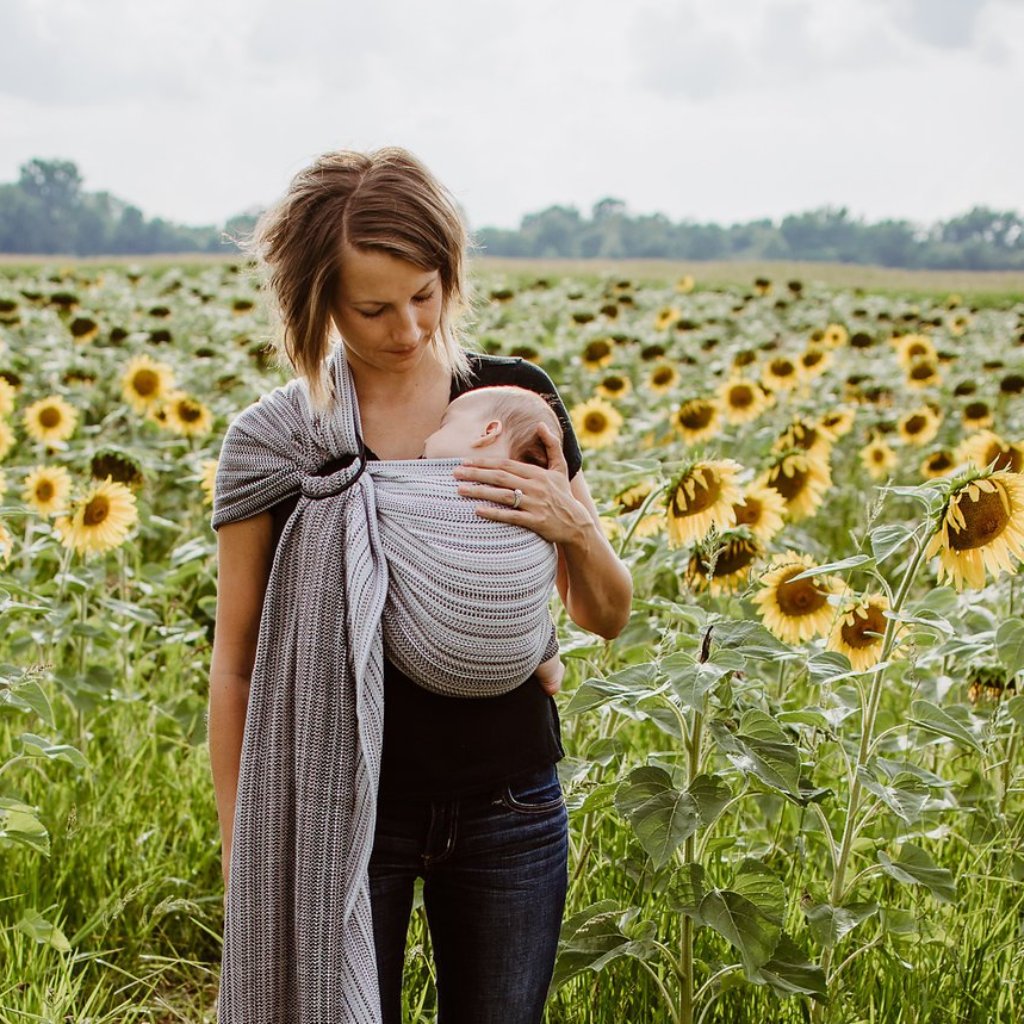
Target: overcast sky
(703, 109)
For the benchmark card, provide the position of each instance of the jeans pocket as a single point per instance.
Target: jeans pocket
(537, 793)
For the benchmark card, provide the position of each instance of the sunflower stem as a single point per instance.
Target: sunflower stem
(869, 714)
(639, 516)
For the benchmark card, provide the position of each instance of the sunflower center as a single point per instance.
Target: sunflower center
(596, 351)
(145, 382)
(595, 422)
(922, 371)
(865, 620)
(613, 383)
(782, 367)
(662, 376)
(799, 598)
(788, 486)
(44, 490)
(735, 556)
(748, 512)
(976, 411)
(96, 511)
(940, 461)
(190, 411)
(706, 490)
(916, 424)
(741, 396)
(696, 415)
(984, 519)
(50, 417)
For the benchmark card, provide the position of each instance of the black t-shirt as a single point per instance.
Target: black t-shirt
(437, 746)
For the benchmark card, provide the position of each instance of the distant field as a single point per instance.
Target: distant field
(995, 284)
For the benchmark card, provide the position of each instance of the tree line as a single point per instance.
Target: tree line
(47, 211)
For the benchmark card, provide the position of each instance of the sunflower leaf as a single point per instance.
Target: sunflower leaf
(756, 882)
(686, 891)
(915, 867)
(829, 924)
(662, 816)
(629, 685)
(1010, 645)
(743, 924)
(760, 748)
(889, 538)
(791, 972)
(853, 562)
(711, 793)
(930, 717)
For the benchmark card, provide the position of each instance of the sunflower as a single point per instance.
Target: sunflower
(7, 393)
(631, 500)
(83, 328)
(911, 347)
(666, 318)
(986, 447)
(696, 420)
(814, 360)
(840, 421)
(685, 284)
(701, 497)
(146, 382)
(596, 423)
(6, 438)
(923, 373)
(801, 480)
(662, 378)
(207, 479)
(727, 569)
(761, 510)
(977, 415)
(835, 335)
(858, 632)
(597, 353)
(938, 464)
(100, 521)
(878, 458)
(981, 526)
(798, 610)
(187, 415)
(958, 324)
(919, 426)
(741, 399)
(808, 437)
(46, 489)
(6, 545)
(614, 386)
(50, 420)
(780, 374)
(762, 285)
(121, 467)
(990, 682)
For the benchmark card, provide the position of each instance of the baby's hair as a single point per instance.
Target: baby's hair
(519, 410)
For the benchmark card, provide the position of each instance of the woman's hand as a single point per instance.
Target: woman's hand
(546, 504)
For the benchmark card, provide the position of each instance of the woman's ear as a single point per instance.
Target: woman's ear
(493, 429)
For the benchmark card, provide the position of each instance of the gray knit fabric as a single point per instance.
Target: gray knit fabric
(378, 553)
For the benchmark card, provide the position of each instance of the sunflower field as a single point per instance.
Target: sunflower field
(795, 781)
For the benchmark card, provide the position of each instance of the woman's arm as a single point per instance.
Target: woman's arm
(594, 584)
(244, 556)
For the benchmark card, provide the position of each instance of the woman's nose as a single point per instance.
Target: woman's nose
(407, 328)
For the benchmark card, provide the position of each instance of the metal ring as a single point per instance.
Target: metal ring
(519, 497)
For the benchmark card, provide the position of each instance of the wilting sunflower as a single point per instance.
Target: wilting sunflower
(100, 521)
(662, 378)
(207, 479)
(835, 335)
(795, 610)
(858, 632)
(696, 420)
(911, 347)
(187, 415)
(923, 373)
(46, 489)
(631, 500)
(808, 437)
(596, 422)
(801, 480)
(6, 438)
(781, 373)
(986, 447)
(920, 425)
(878, 458)
(814, 360)
(666, 318)
(727, 570)
(938, 463)
(839, 422)
(702, 496)
(977, 415)
(981, 527)
(741, 399)
(614, 386)
(146, 382)
(597, 353)
(50, 420)
(7, 393)
(761, 510)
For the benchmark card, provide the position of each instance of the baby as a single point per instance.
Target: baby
(499, 422)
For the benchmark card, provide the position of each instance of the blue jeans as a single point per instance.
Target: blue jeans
(494, 868)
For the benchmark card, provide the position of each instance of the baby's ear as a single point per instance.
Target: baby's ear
(493, 429)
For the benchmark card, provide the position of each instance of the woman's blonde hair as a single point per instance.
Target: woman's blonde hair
(383, 201)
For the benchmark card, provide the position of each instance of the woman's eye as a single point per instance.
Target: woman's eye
(424, 298)
(371, 316)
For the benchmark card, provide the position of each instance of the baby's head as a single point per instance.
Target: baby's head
(498, 422)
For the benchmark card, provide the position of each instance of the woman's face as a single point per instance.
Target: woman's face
(386, 310)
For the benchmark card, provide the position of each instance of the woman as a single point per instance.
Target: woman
(371, 246)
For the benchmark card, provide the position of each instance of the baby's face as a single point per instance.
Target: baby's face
(464, 422)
